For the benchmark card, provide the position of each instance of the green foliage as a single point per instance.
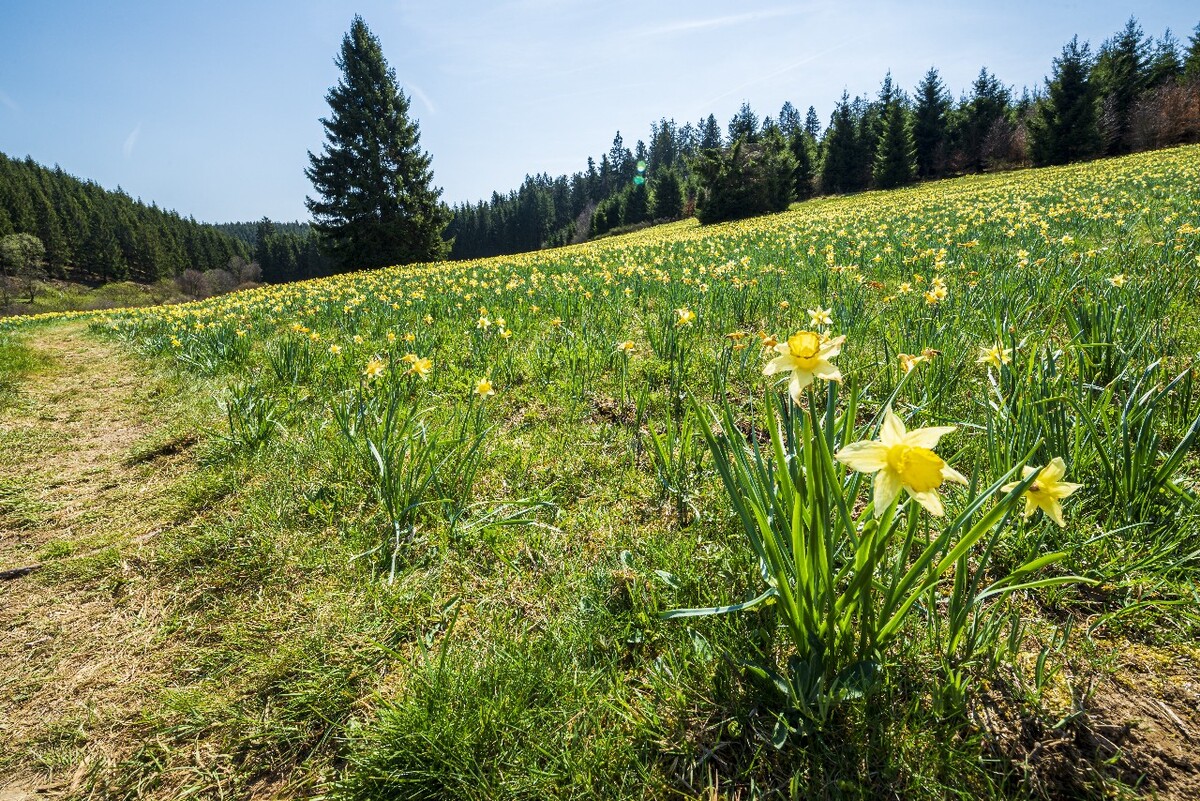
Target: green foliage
(1121, 72)
(841, 168)
(842, 585)
(21, 257)
(895, 155)
(746, 180)
(802, 146)
(376, 205)
(91, 233)
(668, 196)
(1065, 127)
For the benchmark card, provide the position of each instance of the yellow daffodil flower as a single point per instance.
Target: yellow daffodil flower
(806, 355)
(1046, 490)
(684, 317)
(819, 316)
(484, 388)
(625, 348)
(374, 369)
(421, 368)
(996, 356)
(1118, 280)
(902, 459)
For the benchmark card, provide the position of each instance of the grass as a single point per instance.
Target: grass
(379, 587)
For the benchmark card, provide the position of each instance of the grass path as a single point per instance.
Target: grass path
(84, 488)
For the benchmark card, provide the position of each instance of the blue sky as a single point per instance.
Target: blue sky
(210, 108)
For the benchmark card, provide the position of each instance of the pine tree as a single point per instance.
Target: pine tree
(1191, 61)
(841, 167)
(744, 125)
(988, 104)
(710, 134)
(929, 125)
(802, 147)
(668, 196)
(790, 122)
(1165, 66)
(812, 123)
(1065, 126)
(377, 204)
(895, 155)
(1122, 71)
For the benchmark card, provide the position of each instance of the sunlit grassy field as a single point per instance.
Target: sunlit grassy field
(540, 527)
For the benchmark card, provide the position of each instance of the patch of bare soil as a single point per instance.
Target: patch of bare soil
(76, 632)
(1141, 725)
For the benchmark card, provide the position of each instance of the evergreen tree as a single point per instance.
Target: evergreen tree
(710, 134)
(1122, 72)
(636, 206)
(744, 125)
(668, 196)
(747, 179)
(895, 155)
(377, 204)
(802, 147)
(1191, 60)
(1065, 126)
(1165, 66)
(841, 167)
(929, 125)
(812, 124)
(988, 104)
(790, 123)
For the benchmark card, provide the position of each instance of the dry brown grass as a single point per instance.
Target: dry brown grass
(79, 636)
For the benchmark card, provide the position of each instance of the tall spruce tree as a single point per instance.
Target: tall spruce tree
(802, 148)
(1165, 66)
(377, 203)
(929, 125)
(1191, 59)
(1065, 127)
(1122, 70)
(895, 159)
(841, 167)
(710, 133)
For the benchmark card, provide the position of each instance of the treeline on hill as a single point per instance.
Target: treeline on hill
(284, 251)
(1134, 93)
(91, 234)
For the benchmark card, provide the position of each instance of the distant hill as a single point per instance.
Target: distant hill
(248, 231)
(286, 251)
(94, 234)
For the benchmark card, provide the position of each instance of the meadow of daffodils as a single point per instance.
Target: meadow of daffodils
(900, 425)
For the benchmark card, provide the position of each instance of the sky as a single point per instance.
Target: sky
(210, 108)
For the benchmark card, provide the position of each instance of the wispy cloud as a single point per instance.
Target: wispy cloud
(131, 140)
(9, 103)
(416, 92)
(727, 21)
(781, 71)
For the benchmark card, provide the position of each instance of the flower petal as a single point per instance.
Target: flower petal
(1062, 489)
(950, 474)
(927, 437)
(929, 500)
(867, 456)
(1054, 471)
(832, 348)
(892, 430)
(826, 371)
(887, 487)
(1054, 509)
(800, 380)
(780, 364)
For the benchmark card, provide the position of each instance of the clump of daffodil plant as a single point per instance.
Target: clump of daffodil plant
(844, 579)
